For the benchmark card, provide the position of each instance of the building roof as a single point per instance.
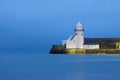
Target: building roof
(102, 39)
(91, 43)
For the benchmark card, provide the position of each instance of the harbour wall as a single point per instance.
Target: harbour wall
(84, 51)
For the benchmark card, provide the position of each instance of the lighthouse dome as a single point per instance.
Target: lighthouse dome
(79, 26)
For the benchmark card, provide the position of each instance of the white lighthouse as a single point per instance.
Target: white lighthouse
(77, 40)
(79, 35)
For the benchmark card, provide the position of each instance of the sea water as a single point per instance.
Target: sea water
(36, 65)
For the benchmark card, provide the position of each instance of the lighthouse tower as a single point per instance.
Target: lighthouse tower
(77, 40)
(79, 35)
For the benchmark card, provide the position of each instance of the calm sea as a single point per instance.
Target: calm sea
(36, 65)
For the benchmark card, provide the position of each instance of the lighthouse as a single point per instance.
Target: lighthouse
(79, 35)
(77, 40)
(77, 43)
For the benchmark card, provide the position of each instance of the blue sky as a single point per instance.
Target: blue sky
(37, 24)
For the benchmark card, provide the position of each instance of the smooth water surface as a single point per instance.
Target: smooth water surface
(35, 65)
